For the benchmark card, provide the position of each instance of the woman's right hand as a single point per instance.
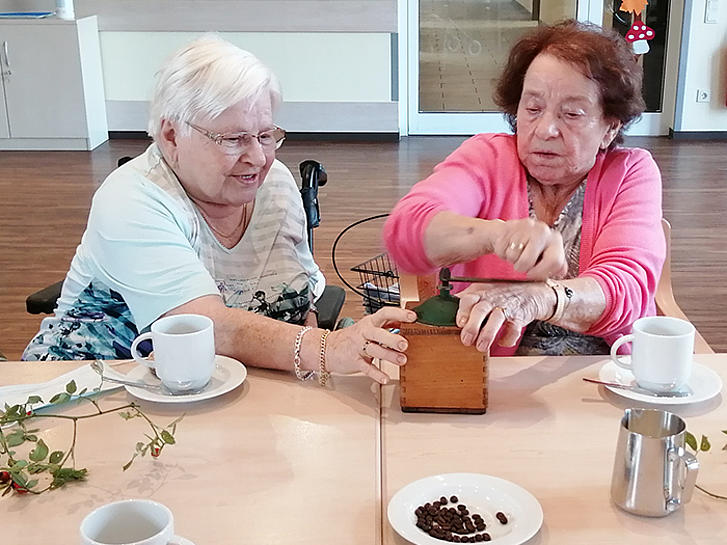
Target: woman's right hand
(532, 247)
(352, 349)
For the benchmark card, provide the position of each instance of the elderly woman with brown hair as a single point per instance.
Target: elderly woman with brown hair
(559, 199)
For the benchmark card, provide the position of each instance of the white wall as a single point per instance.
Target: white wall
(706, 68)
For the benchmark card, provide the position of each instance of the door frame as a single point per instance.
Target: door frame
(412, 122)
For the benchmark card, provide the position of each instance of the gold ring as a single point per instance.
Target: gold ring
(501, 309)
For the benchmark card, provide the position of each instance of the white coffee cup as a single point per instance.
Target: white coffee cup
(130, 522)
(184, 351)
(662, 348)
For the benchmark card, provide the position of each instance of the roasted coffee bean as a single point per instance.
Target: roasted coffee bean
(486, 537)
(478, 537)
(443, 501)
(501, 517)
(462, 507)
(454, 499)
(457, 539)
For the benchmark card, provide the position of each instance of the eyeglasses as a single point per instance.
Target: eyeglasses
(239, 142)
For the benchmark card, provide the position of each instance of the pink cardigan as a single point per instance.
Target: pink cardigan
(622, 242)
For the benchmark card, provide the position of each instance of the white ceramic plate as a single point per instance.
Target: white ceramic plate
(704, 382)
(228, 375)
(481, 494)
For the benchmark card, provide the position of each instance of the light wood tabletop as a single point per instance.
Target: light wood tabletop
(555, 435)
(278, 462)
(272, 462)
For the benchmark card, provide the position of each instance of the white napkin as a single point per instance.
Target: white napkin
(84, 376)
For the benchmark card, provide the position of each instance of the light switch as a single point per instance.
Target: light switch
(711, 12)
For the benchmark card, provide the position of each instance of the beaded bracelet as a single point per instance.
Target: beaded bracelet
(323, 374)
(296, 355)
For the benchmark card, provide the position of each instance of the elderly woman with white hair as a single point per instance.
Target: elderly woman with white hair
(207, 221)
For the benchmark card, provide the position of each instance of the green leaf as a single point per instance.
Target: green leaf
(60, 398)
(17, 466)
(56, 456)
(168, 437)
(32, 483)
(40, 451)
(32, 400)
(31, 437)
(704, 445)
(127, 465)
(71, 387)
(691, 441)
(15, 438)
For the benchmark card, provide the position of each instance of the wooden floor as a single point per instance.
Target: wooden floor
(46, 196)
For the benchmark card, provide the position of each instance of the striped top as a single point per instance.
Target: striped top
(147, 250)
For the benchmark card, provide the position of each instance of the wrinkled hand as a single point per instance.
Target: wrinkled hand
(353, 348)
(485, 309)
(532, 247)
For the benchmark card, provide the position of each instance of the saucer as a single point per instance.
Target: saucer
(179, 540)
(704, 382)
(228, 375)
(483, 494)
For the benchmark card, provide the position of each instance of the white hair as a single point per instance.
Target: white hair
(206, 77)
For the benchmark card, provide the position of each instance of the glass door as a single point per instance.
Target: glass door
(457, 49)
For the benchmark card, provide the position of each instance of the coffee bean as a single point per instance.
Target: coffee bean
(443, 500)
(453, 499)
(501, 517)
(486, 537)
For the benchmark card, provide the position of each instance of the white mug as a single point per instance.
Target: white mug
(184, 351)
(661, 357)
(130, 522)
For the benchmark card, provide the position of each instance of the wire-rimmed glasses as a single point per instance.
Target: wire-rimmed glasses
(239, 142)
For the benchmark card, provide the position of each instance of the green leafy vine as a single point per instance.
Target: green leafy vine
(23, 474)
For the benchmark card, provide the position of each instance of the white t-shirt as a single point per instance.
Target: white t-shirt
(147, 250)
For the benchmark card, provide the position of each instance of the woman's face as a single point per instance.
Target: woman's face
(209, 174)
(560, 122)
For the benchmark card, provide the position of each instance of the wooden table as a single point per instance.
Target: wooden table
(555, 436)
(271, 462)
(277, 462)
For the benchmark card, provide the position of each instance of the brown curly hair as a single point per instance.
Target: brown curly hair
(601, 55)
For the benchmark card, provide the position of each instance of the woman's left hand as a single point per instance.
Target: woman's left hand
(486, 309)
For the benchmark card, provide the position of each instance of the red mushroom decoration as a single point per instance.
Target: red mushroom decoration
(638, 36)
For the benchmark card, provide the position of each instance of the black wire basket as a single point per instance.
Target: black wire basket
(378, 278)
(378, 282)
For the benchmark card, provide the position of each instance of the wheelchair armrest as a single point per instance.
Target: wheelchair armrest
(329, 306)
(44, 301)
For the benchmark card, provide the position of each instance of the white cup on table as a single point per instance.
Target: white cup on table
(130, 522)
(662, 352)
(184, 351)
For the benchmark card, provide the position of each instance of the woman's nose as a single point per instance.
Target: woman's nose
(254, 154)
(548, 126)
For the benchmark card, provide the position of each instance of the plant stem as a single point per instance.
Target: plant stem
(717, 496)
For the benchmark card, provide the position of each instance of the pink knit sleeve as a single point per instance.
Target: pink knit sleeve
(626, 245)
(458, 184)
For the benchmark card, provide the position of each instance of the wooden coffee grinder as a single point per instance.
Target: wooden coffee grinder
(441, 375)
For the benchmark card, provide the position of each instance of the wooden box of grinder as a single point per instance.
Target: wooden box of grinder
(441, 374)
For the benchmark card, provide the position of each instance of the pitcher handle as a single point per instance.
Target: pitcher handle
(680, 489)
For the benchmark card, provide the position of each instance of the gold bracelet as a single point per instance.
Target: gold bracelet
(323, 374)
(296, 355)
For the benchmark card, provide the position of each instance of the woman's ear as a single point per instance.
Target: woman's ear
(168, 143)
(610, 134)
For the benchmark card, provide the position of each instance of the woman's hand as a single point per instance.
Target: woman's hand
(486, 309)
(352, 349)
(532, 247)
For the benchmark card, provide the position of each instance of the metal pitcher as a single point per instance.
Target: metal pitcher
(653, 475)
